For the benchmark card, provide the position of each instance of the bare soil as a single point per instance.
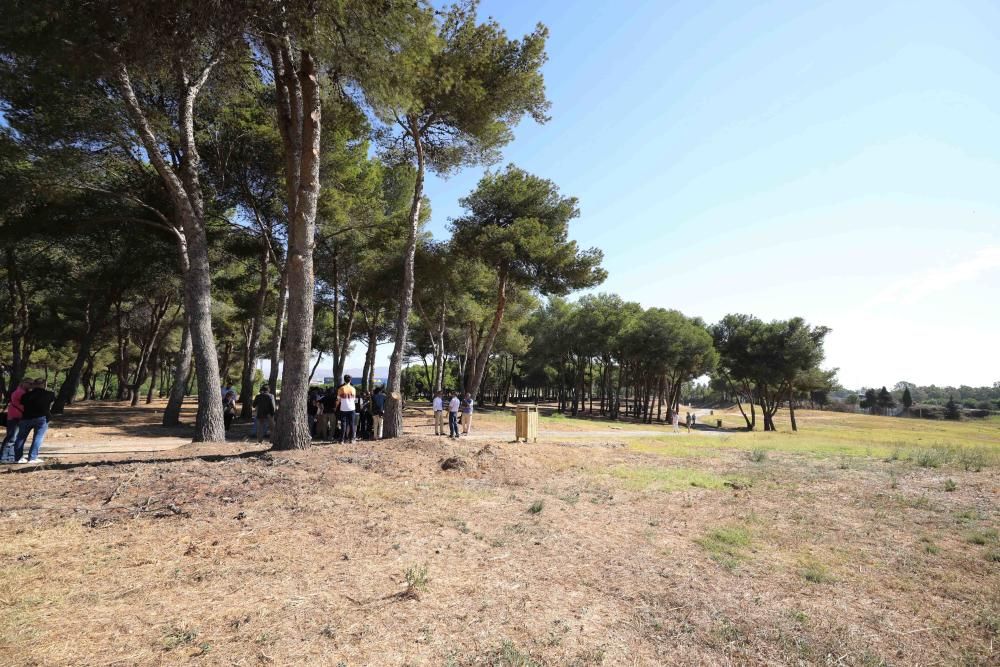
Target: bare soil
(564, 552)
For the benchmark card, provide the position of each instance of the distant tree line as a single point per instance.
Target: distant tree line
(932, 402)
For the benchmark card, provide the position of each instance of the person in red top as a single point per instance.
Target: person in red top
(15, 410)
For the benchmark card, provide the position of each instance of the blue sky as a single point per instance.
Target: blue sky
(835, 160)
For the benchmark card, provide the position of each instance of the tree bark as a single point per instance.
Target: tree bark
(487, 346)
(185, 194)
(393, 424)
(19, 329)
(253, 339)
(301, 88)
(182, 368)
(154, 367)
(279, 329)
(148, 347)
(95, 322)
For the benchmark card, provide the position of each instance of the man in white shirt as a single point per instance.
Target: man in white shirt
(454, 405)
(438, 414)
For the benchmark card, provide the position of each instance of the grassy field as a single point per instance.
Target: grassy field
(857, 541)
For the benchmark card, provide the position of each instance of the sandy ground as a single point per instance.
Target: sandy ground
(565, 552)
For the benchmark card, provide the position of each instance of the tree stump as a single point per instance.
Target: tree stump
(392, 425)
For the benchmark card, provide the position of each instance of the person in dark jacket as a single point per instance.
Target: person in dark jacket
(37, 413)
(265, 407)
(378, 412)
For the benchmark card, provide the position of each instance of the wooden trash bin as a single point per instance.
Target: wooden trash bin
(526, 422)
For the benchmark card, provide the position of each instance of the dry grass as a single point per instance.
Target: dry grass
(372, 554)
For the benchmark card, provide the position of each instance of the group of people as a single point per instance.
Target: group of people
(338, 413)
(28, 412)
(341, 413)
(691, 420)
(459, 411)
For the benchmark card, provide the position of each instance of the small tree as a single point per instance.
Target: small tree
(951, 410)
(870, 401)
(907, 399)
(885, 401)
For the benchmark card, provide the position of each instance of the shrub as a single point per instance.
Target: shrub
(973, 460)
(537, 506)
(816, 573)
(930, 458)
(416, 580)
(982, 537)
(758, 455)
(949, 484)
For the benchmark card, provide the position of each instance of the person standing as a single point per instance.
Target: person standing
(438, 406)
(228, 408)
(346, 404)
(313, 411)
(264, 406)
(35, 417)
(454, 405)
(675, 419)
(378, 412)
(362, 416)
(688, 419)
(329, 401)
(14, 412)
(467, 414)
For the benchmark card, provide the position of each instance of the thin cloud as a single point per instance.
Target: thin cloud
(912, 289)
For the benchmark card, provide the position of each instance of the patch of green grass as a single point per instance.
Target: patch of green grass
(982, 537)
(950, 485)
(798, 616)
(657, 478)
(726, 545)
(967, 516)
(817, 573)
(509, 655)
(536, 507)
(971, 444)
(993, 555)
(758, 455)
(929, 546)
(930, 458)
(556, 415)
(179, 637)
(974, 460)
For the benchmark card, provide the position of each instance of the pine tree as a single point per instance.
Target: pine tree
(907, 399)
(885, 401)
(951, 410)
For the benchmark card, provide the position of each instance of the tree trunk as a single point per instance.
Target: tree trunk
(253, 339)
(487, 345)
(182, 368)
(345, 344)
(20, 326)
(279, 329)
(319, 358)
(67, 392)
(154, 367)
(300, 91)
(209, 425)
(393, 425)
(185, 194)
(148, 347)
